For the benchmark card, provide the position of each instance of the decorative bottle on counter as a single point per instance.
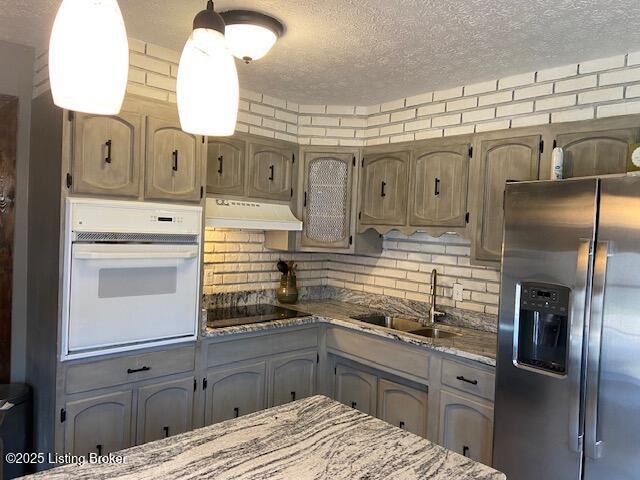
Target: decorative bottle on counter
(288, 291)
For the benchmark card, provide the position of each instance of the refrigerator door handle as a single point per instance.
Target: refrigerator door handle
(578, 311)
(593, 446)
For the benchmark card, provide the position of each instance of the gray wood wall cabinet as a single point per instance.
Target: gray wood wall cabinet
(466, 426)
(270, 170)
(99, 424)
(164, 409)
(403, 406)
(595, 153)
(356, 388)
(106, 154)
(385, 178)
(226, 166)
(501, 160)
(438, 185)
(173, 161)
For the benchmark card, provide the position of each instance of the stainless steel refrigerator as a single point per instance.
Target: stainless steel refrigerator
(567, 403)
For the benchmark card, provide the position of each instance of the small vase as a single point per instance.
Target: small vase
(288, 291)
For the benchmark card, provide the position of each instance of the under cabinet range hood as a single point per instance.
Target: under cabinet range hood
(224, 213)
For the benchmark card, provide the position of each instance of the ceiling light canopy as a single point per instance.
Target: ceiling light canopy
(89, 57)
(207, 86)
(251, 35)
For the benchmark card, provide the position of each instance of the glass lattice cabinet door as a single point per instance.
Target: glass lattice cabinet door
(327, 200)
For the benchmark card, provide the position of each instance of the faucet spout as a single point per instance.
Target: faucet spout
(433, 313)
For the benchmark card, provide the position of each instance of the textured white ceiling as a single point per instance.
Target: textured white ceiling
(368, 51)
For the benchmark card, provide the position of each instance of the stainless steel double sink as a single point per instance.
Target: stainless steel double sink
(403, 325)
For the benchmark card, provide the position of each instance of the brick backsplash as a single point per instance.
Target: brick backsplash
(238, 261)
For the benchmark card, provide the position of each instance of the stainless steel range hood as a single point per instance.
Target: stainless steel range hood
(224, 213)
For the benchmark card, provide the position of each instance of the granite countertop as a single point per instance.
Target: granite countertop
(313, 438)
(468, 343)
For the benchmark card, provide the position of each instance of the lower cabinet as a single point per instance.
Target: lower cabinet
(403, 406)
(98, 425)
(466, 426)
(356, 388)
(164, 409)
(292, 377)
(234, 391)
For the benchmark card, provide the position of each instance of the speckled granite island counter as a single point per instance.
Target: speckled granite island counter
(468, 343)
(314, 438)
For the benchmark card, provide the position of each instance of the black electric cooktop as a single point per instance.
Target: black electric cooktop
(242, 315)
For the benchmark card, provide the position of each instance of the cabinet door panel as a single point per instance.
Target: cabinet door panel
(292, 377)
(384, 189)
(106, 154)
(100, 424)
(502, 160)
(327, 200)
(226, 160)
(439, 186)
(233, 392)
(173, 165)
(596, 153)
(356, 389)
(403, 406)
(164, 409)
(270, 169)
(466, 427)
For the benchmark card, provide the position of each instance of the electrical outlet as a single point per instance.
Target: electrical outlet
(458, 291)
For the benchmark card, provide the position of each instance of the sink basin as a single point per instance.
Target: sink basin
(382, 320)
(432, 332)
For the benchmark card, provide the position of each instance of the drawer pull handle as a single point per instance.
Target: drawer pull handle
(465, 450)
(99, 448)
(136, 370)
(220, 160)
(166, 431)
(174, 167)
(108, 157)
(402, 425)
(382, 192)
(293, 396)
(271, 173)
(236, 412)
(462, 379)
(436, 190)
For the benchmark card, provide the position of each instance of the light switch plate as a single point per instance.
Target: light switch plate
(457, 292)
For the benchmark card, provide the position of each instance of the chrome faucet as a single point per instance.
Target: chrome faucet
(433, 313)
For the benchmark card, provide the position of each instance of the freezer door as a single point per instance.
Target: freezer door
(612, 409)
(549, 230)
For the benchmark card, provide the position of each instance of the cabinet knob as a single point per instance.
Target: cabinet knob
(236, 412)
(174, 167)
(107, 144)
(220, 160)
(166, 431)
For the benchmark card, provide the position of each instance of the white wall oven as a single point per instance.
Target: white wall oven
(131, 276)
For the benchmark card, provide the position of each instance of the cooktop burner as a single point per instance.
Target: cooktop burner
(242, 315)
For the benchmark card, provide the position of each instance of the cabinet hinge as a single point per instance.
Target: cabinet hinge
(71, 115)
(350, 239)
(470, 152)
(69, 180)
(354, 160)
(541, 146)
(63, 415)
(466, 217)
(204, 383)
(201, 191)
(555, 144)
(195, 384)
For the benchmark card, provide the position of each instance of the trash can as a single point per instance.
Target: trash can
(15, 427)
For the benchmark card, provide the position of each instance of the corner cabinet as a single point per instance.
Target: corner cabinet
(270, 170)
(438, 186)
(226, 166)
(105, 154)
(383, 191)
(501, 160)
(173, 162)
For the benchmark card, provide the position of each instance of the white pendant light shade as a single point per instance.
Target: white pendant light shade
(89, 56)
(249, 42)
(207, 87)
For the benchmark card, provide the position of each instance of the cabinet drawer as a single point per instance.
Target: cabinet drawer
(465, 377)
(130, 368)
(386, 355)
(243, 348)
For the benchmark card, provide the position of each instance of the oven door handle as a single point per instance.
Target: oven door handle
(135, 255)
